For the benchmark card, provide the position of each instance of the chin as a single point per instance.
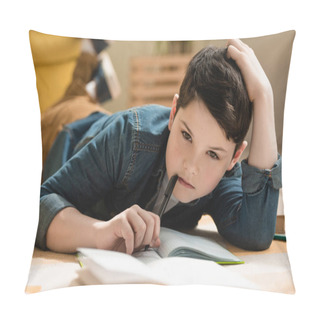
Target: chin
(183, 197)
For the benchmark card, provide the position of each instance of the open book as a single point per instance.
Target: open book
(180, 259)
(178, 244)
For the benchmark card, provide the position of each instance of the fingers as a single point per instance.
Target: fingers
(238, 44)
(238, 51)
(254, 76)
(127, 234)
(150, 227)
(139, 228)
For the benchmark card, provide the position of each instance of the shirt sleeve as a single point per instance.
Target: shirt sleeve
(50, 205)
(254, 179)
(244, 205)
(86, 178)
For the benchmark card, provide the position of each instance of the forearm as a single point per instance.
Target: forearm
(70, 230)
(263, 148)
(132, 229)
(244, 206)
(253, 229)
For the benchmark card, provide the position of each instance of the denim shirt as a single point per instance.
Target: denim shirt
(104, 164)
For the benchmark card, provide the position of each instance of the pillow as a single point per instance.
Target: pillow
(54, 60)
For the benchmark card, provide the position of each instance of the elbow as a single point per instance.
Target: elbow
(251, 242)
(258, 244)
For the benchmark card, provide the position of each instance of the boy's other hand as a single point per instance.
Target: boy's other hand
(263, 151)
(254, 76)
(129, 231)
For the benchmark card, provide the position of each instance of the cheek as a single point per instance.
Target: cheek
(209, 182)
(210, 177)
(175, 154)
(171, 156)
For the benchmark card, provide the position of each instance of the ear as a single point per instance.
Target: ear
(173, 110)
(237, 155)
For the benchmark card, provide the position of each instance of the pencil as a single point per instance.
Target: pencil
(167, 195)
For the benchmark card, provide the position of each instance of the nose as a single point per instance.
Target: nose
(191, 164)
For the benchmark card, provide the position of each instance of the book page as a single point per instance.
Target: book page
(186, 271)
(175, 243)
(148, 256)
(169, 241)
(110, 267)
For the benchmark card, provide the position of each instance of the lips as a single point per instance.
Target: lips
(185, 183)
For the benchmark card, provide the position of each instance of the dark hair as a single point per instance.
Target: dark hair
(218, 82)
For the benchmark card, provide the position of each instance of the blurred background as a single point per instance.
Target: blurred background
(150, 71)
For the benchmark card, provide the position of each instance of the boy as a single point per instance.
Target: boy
(114, 169)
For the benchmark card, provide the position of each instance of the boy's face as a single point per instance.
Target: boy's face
(197, 151)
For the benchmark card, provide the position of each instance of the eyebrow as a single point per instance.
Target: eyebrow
(212, 148)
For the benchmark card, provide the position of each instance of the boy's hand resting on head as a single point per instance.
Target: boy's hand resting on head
(263, 148)
(129, 231)
(254, 76)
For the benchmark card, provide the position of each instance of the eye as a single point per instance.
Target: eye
(213, 155)
(186, 135)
